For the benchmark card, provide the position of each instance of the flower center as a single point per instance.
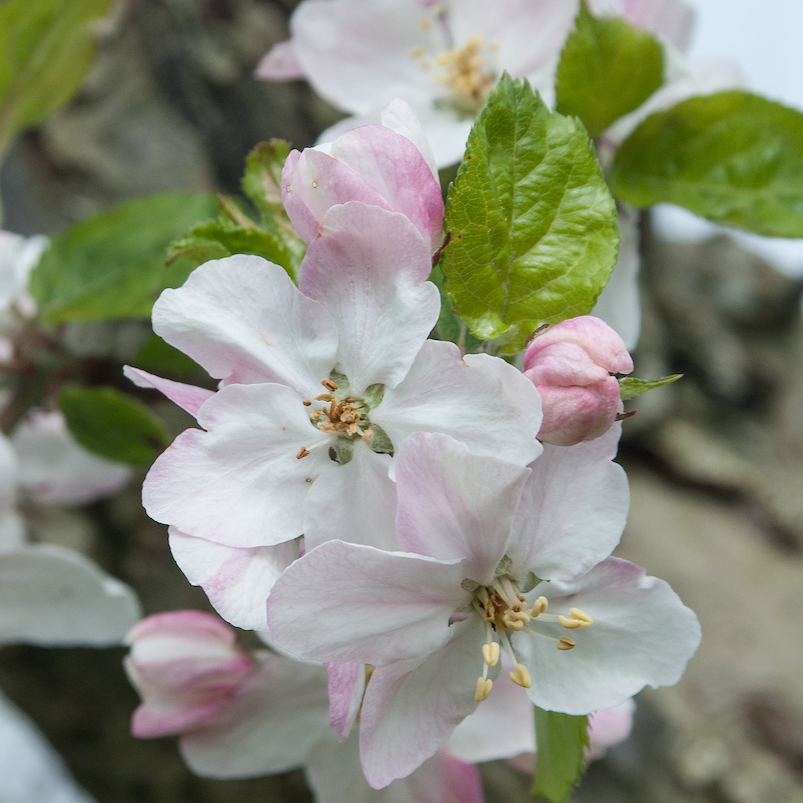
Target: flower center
(505, 612)
(465, 72)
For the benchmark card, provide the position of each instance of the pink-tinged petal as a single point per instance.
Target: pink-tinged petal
(279, 64)
(358, 55)
(368, 268)
(244, 320)
(240, 482)
(54, 468)
(187, 397)
(411, 708)
(609, 727)
(398, 171)
(355, 503)
(349, 603)
(399, 117)
(54, 597)
(671, 19)
(272, 725)
(454, 505)
(201, 625)
(236, 580)
(314, 182)
(329, 135)
(642, 634)
(479, 400)
(573, 510)
(464, 783)
(502, 727)
(346, 687)
(618, 304)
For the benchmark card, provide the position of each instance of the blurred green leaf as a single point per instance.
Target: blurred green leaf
(732, 157)
(534, 236)
(607, 69)
(113, 425)
(450, 327)
(111, 265)
(159, 357)
(630, 386)
(561, 762)
(46, 47)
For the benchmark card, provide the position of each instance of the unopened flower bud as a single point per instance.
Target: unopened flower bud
(185, 665)
(571, 365)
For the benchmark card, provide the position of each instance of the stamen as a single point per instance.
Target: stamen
(367, 435)
(302, 452)
(573, 623)
(540, 606)
(521, 676)
(307, 403)
(566, 643)
(508, 647)
(484, 686)
(329, 385)
(582, 615)
(491, 653)
(417, 52)
(327, 397)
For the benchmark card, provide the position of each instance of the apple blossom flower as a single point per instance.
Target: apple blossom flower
(321, 386)
(389, 165)
(499, 558)
(186, 666)
(441, 58)
(571, 365)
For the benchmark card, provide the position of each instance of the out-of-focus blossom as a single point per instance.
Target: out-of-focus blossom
(442, 58)
(54, 468)
(571, 366)
(381, 165)
(479, 532)
(186, 665)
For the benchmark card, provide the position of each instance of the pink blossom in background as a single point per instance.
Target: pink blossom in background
(571, 365)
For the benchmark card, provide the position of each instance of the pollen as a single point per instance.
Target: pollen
(521, 676)
(491, 652)
(484, 686)
(566, 643)
(466, 75)
(540, 606)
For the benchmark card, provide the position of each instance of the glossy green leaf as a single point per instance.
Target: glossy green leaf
(112, 265)
(630, 386)
(113, 425)
(46, 47)
(607, 69)
(561, 762)
(533, 226)
(733, 157)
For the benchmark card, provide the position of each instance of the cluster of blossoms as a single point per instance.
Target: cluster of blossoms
(400, 522)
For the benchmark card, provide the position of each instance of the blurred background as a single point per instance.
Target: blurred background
(715, 461)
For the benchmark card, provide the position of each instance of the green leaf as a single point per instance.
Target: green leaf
(46, 47)
(629, 386)
(607, 69)
(112, 264)
(533, 226)
(113, 425)
(560, 765)
(733, 157)
(159, 357)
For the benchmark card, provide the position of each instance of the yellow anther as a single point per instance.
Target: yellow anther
(490, 652)
(425, 24)
(307, 403)
(302, 452)
(326, 426)
(445, 58)
(484, 686)
(325, 397)
(582, 615)
(368, 435)
(569, 623)
(540, 606)
(417, 52)
(566, 643)
(512, 624)
(329, 385)
(521, 676)
(315, 415)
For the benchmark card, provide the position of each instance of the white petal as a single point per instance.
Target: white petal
(618, 304)
(30, 769)
(368, 267)
(237, 581)
(270, 726)
(346, 688)
(240, 483)
(399, 117)
(477, 399)
(642, 634)
(573, 510)
(244, 320)
(279, 64)
(411, 709)
(355, 503)
(453, 504)
(349, 603)
(51, 596)
(55, 468)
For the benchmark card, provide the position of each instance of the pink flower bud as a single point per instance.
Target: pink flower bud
(571, 366)
(185, 665)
